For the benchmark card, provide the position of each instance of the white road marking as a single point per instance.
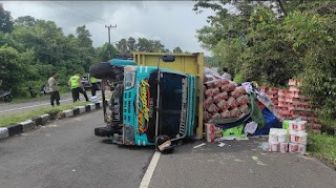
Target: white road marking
(43, 104)
(150, 170)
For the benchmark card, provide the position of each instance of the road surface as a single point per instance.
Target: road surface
(14, 108)
(66, 154)
(239, 164)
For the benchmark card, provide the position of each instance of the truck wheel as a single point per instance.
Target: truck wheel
(103, 131)
(105, 70)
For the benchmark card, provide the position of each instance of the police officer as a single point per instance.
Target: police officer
(94, 85)
(76, 88)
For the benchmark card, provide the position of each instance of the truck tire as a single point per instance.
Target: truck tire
(103, 131)
(105, 70)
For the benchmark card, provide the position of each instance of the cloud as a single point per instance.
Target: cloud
(172, 22)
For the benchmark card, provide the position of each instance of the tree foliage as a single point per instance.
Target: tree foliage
(33, 49)
(126, 47)
(257, 43)
(6, 23)
(177, 50)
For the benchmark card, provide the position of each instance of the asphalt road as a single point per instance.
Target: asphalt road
(66, 154)
(14, 108)
(239, 164)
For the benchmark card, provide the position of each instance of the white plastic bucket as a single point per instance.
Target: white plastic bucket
(293, 147)
(301, 126)
(272, 138)
(292, 125)
(275, 147)
(283, 147)
(297, 125)
(301, 137)
(302, 148)
(283, 137)
(292, 135)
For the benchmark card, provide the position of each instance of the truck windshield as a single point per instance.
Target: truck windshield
(171, 90)
(172, 87)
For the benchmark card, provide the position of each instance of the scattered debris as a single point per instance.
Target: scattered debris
(261, 163)
(200, 145)
(250, 128)
(255, 158)
(264, 146)
(238, 160)
(221, 144)
(52, 125)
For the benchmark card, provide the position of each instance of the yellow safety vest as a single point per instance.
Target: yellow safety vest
(93, 80)
(74, 81)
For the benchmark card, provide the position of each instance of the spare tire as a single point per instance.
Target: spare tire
(106, 71)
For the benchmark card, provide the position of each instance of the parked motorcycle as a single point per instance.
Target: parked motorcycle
(6, 96)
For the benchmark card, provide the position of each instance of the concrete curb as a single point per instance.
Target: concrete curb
(3, 132)
(68, 113)
(81, 109)
(92, 106)
(33, 123)
(37, 120)
(14, 129)
(28, 125)
(45, 118)
(87, 108)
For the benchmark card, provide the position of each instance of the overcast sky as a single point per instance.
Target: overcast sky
(172, 22)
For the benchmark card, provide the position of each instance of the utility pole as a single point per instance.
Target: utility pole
(109, 30)
(109, 35)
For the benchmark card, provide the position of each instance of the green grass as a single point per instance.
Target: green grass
(12, 119)
(37, 98)
(323, 147)
(28, 99)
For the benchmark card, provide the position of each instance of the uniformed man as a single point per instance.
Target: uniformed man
(94, 85)
(53, 90)
(76, 88)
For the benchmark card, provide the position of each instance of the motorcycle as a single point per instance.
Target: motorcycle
(6, 96)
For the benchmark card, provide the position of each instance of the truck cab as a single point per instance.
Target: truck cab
(147, 102)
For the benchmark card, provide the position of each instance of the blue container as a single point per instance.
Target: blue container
(270, 122)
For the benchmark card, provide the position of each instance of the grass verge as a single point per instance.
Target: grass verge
(17, 100)
(12, 119)
(323, 147)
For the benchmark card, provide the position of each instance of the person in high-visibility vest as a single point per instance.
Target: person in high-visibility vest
(94, 85)
(76, 87)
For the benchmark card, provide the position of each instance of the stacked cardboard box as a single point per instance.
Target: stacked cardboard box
(301, 107)
(292, 104)
(224, 100)
(272, 94)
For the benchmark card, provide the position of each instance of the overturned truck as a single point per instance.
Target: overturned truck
(155, 99)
